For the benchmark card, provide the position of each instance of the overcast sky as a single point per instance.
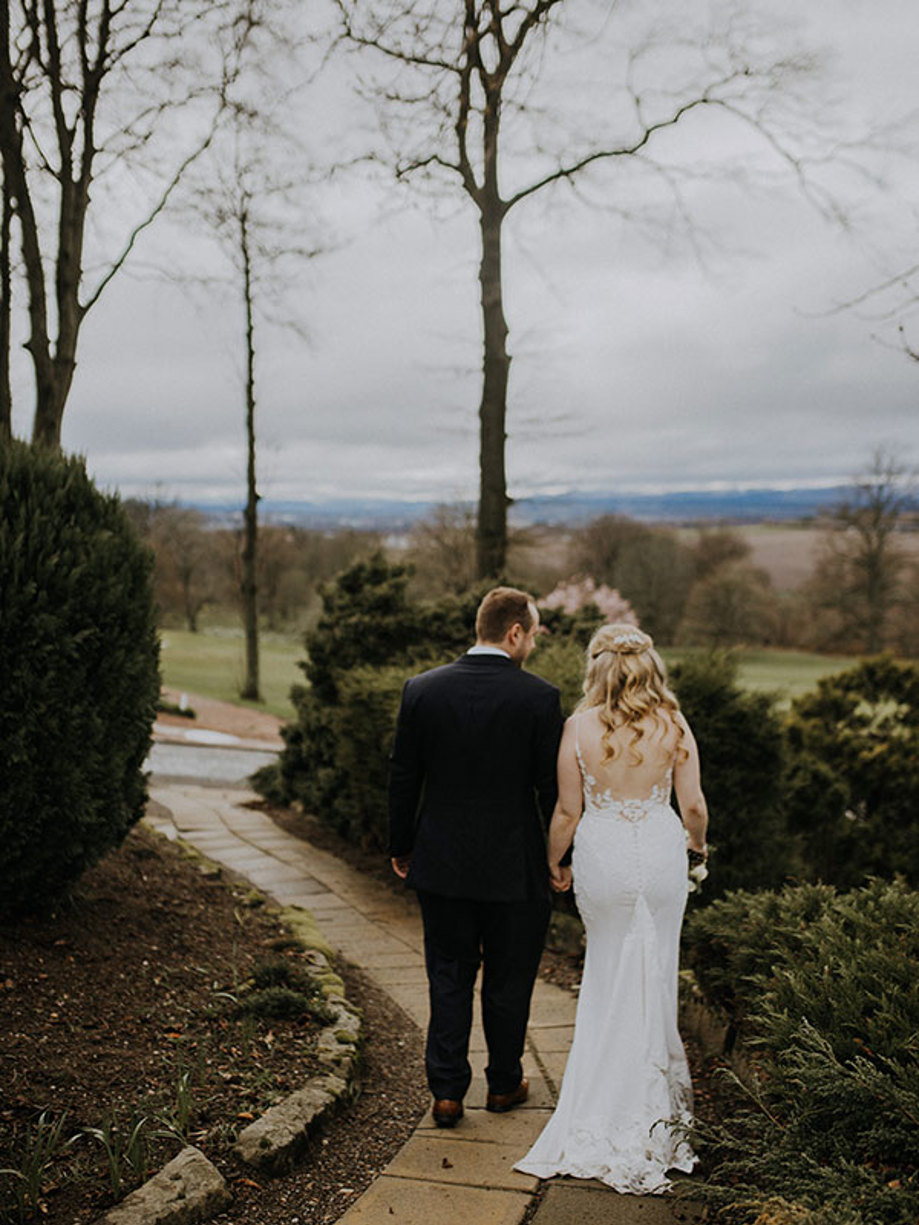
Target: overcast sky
(634, 366)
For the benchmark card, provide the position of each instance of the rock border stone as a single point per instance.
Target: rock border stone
(190, 1189)
(187, 1190)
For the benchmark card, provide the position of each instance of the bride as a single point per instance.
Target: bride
(626, 1098)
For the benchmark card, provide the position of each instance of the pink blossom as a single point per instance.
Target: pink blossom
(576, 592)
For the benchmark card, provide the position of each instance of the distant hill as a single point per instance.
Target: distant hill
(679, 506)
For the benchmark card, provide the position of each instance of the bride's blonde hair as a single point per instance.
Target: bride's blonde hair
(627, 680)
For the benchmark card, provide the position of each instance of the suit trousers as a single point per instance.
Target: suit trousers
(507, 938)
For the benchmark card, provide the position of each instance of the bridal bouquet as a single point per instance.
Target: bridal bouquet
(698, 868)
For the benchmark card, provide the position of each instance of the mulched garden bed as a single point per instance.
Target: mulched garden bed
(120, 1012)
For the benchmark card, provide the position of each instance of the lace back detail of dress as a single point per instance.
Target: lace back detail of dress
(630, 808)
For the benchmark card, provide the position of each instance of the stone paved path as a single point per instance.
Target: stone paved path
(439, 1177)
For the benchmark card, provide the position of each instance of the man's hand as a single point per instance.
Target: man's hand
(401, 865)
(559, 878)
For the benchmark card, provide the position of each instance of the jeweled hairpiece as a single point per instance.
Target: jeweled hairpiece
(629, 640)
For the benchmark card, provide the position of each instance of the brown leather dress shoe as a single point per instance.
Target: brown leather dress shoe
(498, 1103)
(447, 1112)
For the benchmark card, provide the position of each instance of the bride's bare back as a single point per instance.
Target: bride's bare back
(636, 768)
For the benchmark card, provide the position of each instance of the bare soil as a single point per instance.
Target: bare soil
(121, 1005)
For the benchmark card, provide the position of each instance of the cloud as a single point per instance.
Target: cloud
(632, 365)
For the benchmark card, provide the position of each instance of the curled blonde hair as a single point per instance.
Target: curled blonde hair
(627, 680)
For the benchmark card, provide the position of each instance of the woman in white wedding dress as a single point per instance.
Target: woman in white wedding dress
(626, 1097)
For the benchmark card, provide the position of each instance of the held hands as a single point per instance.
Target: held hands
(559, 878)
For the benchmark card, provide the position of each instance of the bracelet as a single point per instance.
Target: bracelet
(696, 857)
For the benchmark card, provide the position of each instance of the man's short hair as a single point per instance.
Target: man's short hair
(501, 609)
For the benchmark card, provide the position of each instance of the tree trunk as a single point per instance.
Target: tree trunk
(50, 401)
(491, 527)
(6, 306)
(250, 689)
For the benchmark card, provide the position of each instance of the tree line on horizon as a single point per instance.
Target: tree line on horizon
(703, 590)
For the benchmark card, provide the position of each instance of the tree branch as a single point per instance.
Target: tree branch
(599, 155)
(118, 263)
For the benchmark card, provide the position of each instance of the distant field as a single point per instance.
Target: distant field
(789, 553)
(787, 674)
(212, 663)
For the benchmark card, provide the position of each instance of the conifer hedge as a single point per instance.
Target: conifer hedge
(78, 674)
(822, 988)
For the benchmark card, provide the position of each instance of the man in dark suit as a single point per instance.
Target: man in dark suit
(472, 787)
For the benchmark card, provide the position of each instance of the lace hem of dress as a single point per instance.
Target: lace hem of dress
(619, 1159)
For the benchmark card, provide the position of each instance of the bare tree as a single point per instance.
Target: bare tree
(858, 573)
(442, 550)
(252, 197)
(478, 94)
(101, 102)
(6, 311)
(184, 553)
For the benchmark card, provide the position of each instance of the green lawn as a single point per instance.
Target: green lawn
(786, 673)
(212, 664)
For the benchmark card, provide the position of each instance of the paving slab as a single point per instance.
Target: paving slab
(404, 1201)
(554, 1038)
(576, 1202)
(277, 873)
(552, 1064)
(386, 960)
(413, 975)
(443, 1159)
(517, 1128)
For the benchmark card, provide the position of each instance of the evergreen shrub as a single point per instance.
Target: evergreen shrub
(370, 638)
(823, 988)
(78, 674)
(741, 746)
(853, 796)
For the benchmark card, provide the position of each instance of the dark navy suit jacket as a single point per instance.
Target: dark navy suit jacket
(473, 779)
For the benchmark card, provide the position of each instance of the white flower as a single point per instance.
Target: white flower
(696, 876)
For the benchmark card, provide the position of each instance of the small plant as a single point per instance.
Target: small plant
(126, 1149)
(182, 1106)
(285, 1003)
(281, 973)
(42, 1142)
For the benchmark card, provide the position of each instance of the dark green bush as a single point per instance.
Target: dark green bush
(824, 990)
(741, 746)
(853, 792)
(370, 638)
(78, 674)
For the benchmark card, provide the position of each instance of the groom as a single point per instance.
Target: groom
(472, 786)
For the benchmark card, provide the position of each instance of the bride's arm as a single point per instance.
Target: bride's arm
(687, 783)
(567, 809)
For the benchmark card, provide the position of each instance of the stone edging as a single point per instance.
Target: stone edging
(190, 1189)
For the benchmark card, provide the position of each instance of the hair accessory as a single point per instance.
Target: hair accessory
(629, 640)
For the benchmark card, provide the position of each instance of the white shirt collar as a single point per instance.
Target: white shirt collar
(477, 650)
